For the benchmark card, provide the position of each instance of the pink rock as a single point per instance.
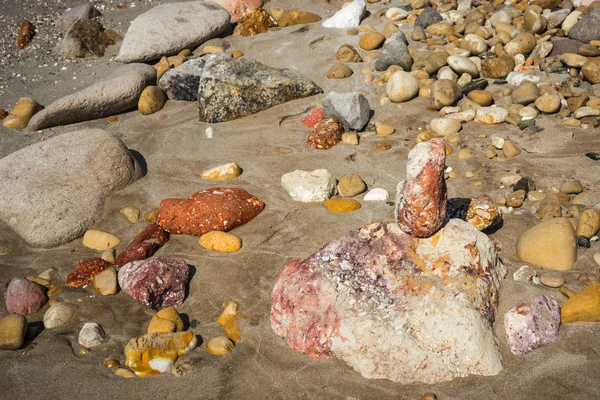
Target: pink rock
(91, 335)
(238, 8)
(421, 199)
(311, 119)
(393, 306)
(24, 296)
(532, 323)
(156, 282)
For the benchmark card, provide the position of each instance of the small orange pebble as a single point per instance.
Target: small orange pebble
(384, 146)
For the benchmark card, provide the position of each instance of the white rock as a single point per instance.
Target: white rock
(445, 126)
(91, 335)
(396, 14)
(491, 115)
(401, 87)
(377, 194)
(586, 111)
(467, 115)
(498, 142)
(348, 17)
(510, 179)
(525, 273)
(462, 65)
(516, 78)
(209, 132)
(309, 186)
(476, 44)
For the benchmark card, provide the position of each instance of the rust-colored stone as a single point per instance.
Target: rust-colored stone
(26, 33)
(326, 134)
(144, 245)
(422, 198)
(85, 271)
(215, 209)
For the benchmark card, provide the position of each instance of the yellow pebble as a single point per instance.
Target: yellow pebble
(237, 54)
(219, 345)
(166, 320)
(384, 130)
(98, 240)
(20, 115)
(185, 53)
(212, 49)
(342, 205)
(222, 172)
(161, 67)
(176, 61)
(222, 242)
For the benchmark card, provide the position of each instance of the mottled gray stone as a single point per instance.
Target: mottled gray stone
(588, 27)
(429, 16)
(351, 109)
(395, 52)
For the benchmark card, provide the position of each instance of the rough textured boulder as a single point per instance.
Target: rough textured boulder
(532, 323)
(118, 92)
(393, 306)
(182, 83)
(169, 28)
(254, 86)
(53, 191)
(214, 209)
(156, 282)
(422, 198)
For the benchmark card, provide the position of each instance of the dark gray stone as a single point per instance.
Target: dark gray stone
(351, 109)
(588, 27)
(235, 88)
(429, 16)
(182, 83)
(563, 45)
(394, 52)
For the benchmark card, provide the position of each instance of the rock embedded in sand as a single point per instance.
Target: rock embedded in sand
(105, 283)
(131, 213)
(347, 54)
(571, 187)
(351, 185)
(151, 100)
(295, 17)
(395, 52)
(118, 92)
(401, 87)
(549, 104)
(583, 306)
(21, 114)
(166, 320)
(482, 213)
(377, 194)
(348, 17)
(351, 109)
(549, 207)
(86, 38)
(77, 13)
(550, 244)
(214, 209)
(311, 119)
(220, 241)
(99, 240)
(222, 172)
(58, 315)
(371, 41)
(532, 323)
(25, 34)
(91, 335)
(168, 28)
(326, 134)
(155, 353)
(589, 223)
(24, 296)
(462, 65)
(309, 186)
(339, 71)
(342, 205)
(552, 279)
(330, 304)
(156, 282)
(12, 332)
(219, 345)
(144, 245)
(254, 86)
(422, 198)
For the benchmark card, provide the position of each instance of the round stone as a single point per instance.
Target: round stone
(342, 205)
(371, 40)
(151, 100)
(222, 242)
(58, 315)
(402, 87)
(351, 185)
(339, 71)
(462, 65)
(548, 104)
(552, 279)
(445, 126)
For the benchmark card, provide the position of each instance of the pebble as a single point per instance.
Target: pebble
(105, 283)
(350, 138)
(549, 206)
(58, 315)
(462, 65)
(347, 54)
(221, 242)
(125, 373)
(91, 335)
(384, 130)
(20, 115)
(351, 185)
(24, 297)
(371, 41)
(491, 115)
(48, 274)
(402, 87)
(99, 240)
(525, 273)
(131, 213)
(550, 244)
(481, 97)
(571, 187)
(150, 215)
(444, 92)
(339, 71)
(166, 320)
(515, 199)
(589, 223)
(111, 363)
(445, 126)
(309, 186)
(548, 104)
(12, 332)
(586, 111)
(151, 100)
(219, 345)
(527, 92)
(222, 172)
(510, 150)
(552, 279)
(342, 205)
(377, 194)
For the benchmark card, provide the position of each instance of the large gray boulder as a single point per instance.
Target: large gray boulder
(169, 28)
(118, 92)
(53, 191)
(235, 88)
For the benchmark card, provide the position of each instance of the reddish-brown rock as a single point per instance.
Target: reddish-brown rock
(26, 33)
(215, 209)
(313, 117)
(24, 296)
(85, 271)
(422, 198)
(144, 245)
(326, 134)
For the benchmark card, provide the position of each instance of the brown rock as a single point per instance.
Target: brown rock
(351, 185)
(326, 134)
(347, 53)
(422, 198)
(26, 33)
(339, 71)
(151, 100)
(371, 40)
(591, 70)
(549, 207)
(589, 223)
(510, 150)
(481, 97)
(293, 17)
(444, 92)
(526, 93)
(516, 199)
(255, 22)
(497, 68)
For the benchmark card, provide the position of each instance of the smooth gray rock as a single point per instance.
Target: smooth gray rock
(429, 16)
(182, 83)
(588, 27)
(395, 52)
(53, 191)
(351, 109)
(235, 88)
(74, 14)
(118, 92)
(169, 28)
(556, 18)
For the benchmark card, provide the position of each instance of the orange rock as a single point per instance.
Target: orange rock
(155, 353)
(342, 205)
(583, 307)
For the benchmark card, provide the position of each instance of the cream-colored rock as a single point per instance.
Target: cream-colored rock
(105, 283)
(152, 99)
(58, 315)
(548, 104)
(131, 213)
(550, 244)
(444, 92)
(445, 126)
(510, 150)
(222, 242)
(589, 223)
(491, 115)
(222, 172)
(350, 138)
(402, 87)
(99, 240)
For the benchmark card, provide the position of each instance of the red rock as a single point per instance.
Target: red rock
(156, 282)
(215, 209)
(85, 271)
(313, 117)
(24, 296)
(421, 200)
(144, 245)
(326, 134)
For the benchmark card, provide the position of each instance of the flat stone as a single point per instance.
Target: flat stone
(342, 205)
(552, 279)
(309, 186)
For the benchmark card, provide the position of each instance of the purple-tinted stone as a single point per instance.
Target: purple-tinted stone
(156, 282)
(532, 323)
(24, 296)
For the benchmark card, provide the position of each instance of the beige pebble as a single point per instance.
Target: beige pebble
(151, 100)
(350, 138)
(125, 373)
(212, 49)
(384, 130)
(99, 240)
(237, 54)
(510, 150)
(131, 213)
(465, 153)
